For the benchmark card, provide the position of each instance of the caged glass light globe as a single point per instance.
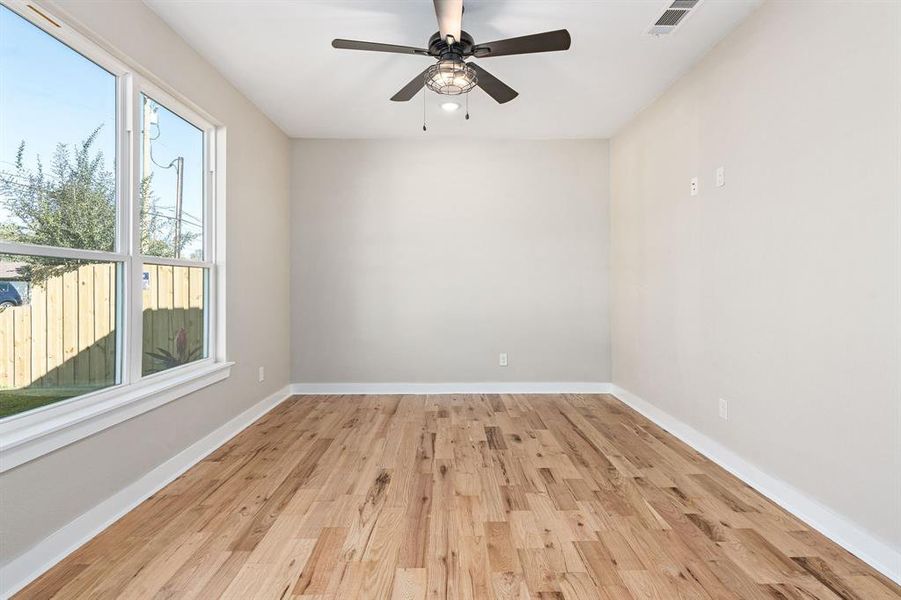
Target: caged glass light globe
(450, 77)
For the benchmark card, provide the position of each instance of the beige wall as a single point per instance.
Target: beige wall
(780, 291)
(41, 496)
(422, 261)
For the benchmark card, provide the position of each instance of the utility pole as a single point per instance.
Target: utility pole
(179, 188)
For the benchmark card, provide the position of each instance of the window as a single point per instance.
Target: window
(174, 316)
(108, 271)
(58, 145)
(59, 332)
(172, 226)
(172, 189)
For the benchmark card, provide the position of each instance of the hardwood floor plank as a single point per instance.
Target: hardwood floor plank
(501, 554)
(494, 496)
(409, 584)
(317, 570)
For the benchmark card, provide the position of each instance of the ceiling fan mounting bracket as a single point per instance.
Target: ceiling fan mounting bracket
(440, 49)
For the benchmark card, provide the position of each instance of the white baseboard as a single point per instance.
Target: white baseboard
(22, 570)
(499, 387)
(841, 530)
(25, 568)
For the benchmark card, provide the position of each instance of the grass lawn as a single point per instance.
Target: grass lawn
(16, 401)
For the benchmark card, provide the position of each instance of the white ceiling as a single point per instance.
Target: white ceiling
(279, 54)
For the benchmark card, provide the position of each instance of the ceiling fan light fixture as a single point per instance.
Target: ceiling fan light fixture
(450, 106)
(450, 77)
(451, 46)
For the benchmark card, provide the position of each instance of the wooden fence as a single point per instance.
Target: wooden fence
(173, 299)
(66, 334)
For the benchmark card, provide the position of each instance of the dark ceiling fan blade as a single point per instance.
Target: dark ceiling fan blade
(377, 47)
(408, 91)
(450, 17)
(549, 41)
(493, 86)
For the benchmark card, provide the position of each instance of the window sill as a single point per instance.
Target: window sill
(32, 434)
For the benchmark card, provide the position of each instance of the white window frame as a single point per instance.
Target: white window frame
(140, 87)
(27, 435)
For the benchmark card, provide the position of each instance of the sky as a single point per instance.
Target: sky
(50, 94)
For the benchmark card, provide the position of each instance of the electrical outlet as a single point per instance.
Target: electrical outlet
(720, 177)
(693, 186)
(502, 359)
(262, 374)
(724, 409)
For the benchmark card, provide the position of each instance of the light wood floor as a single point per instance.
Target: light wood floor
(507, 496)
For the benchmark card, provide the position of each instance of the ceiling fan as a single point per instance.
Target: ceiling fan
(451, 46)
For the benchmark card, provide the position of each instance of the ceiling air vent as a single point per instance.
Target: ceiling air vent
(672, 16)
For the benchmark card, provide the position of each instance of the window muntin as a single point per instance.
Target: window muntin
(57, 142)
(59, 329)
(187, 135)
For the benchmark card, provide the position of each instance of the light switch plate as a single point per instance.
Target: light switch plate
(720, 177)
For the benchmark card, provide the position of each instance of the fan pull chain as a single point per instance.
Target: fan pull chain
(424, 128)
(467, 106)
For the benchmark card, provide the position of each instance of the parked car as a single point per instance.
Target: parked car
(9, 296)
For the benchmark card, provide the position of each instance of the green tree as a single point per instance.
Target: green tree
(158, 229)
(73, 205)
(154, 238)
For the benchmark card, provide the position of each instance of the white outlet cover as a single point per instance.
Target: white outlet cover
(262, 374)
(502, 359)
(720, 177)
(724, 409)
(693, 186)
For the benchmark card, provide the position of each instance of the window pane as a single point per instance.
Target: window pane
(171, 184)
(57, 142)
(175, 316)
(58, 333)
